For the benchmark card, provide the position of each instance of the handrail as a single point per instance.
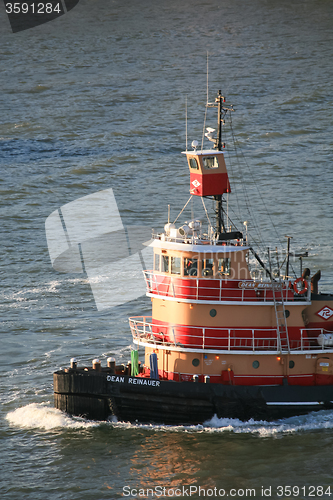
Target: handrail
(194, 240)
(145, 331)
(215, 289)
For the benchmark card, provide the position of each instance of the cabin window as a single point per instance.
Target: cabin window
(207, 267)
(175, 265)
(194, 164)
(165, 264)
(224, 267)
(156, 262)
(190, 267)
(210, 162)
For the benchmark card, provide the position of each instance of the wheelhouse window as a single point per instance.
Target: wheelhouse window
(190, 267)
(207, 266)
(165, 264)
(210, 162)
(224, 267)
(156, 262)
(175, 263)
(194, 163)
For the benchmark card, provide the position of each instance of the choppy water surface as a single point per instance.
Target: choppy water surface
(96, 100)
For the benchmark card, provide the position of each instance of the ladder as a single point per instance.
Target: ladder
(280, 313)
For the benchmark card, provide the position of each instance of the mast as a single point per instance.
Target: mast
(220, 227)
(219, 99)
(208, 172)
(288, 255)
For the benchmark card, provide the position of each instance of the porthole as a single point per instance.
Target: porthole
(212, 312)
(195, 362)
(291, 364)
(255, 364)
(287, 313)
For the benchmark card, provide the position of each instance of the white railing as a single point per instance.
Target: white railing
(225, 339)
(195, 239)
(208, 289)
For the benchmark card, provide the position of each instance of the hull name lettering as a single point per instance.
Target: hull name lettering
(133, 381)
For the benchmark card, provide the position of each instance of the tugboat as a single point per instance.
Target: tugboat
(222, 339)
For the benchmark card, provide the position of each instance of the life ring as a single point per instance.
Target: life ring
(256, 274)
(305, 286)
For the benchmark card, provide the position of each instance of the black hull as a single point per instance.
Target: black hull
(100, 395)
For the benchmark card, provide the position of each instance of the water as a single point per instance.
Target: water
(96, 100)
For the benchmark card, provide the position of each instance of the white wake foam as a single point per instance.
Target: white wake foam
(315, 421)
(43, 416)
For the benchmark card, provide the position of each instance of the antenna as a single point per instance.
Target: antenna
(207, 76)
(204, 126)
(186, 120)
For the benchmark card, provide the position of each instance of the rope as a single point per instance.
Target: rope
(182, 210)
(260, 242)
(249, 232)
(209, 223)
(246, 197)
(233, 176)
(261, 198)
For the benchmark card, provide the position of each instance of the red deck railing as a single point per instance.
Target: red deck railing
(209, 289)
(248, 339)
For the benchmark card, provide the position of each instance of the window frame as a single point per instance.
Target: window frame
(205, 158)
(165, 258)
(204, 267)
(173, 266)
(227, 265)
(190, 160)
(157, 260)
(187, 271)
